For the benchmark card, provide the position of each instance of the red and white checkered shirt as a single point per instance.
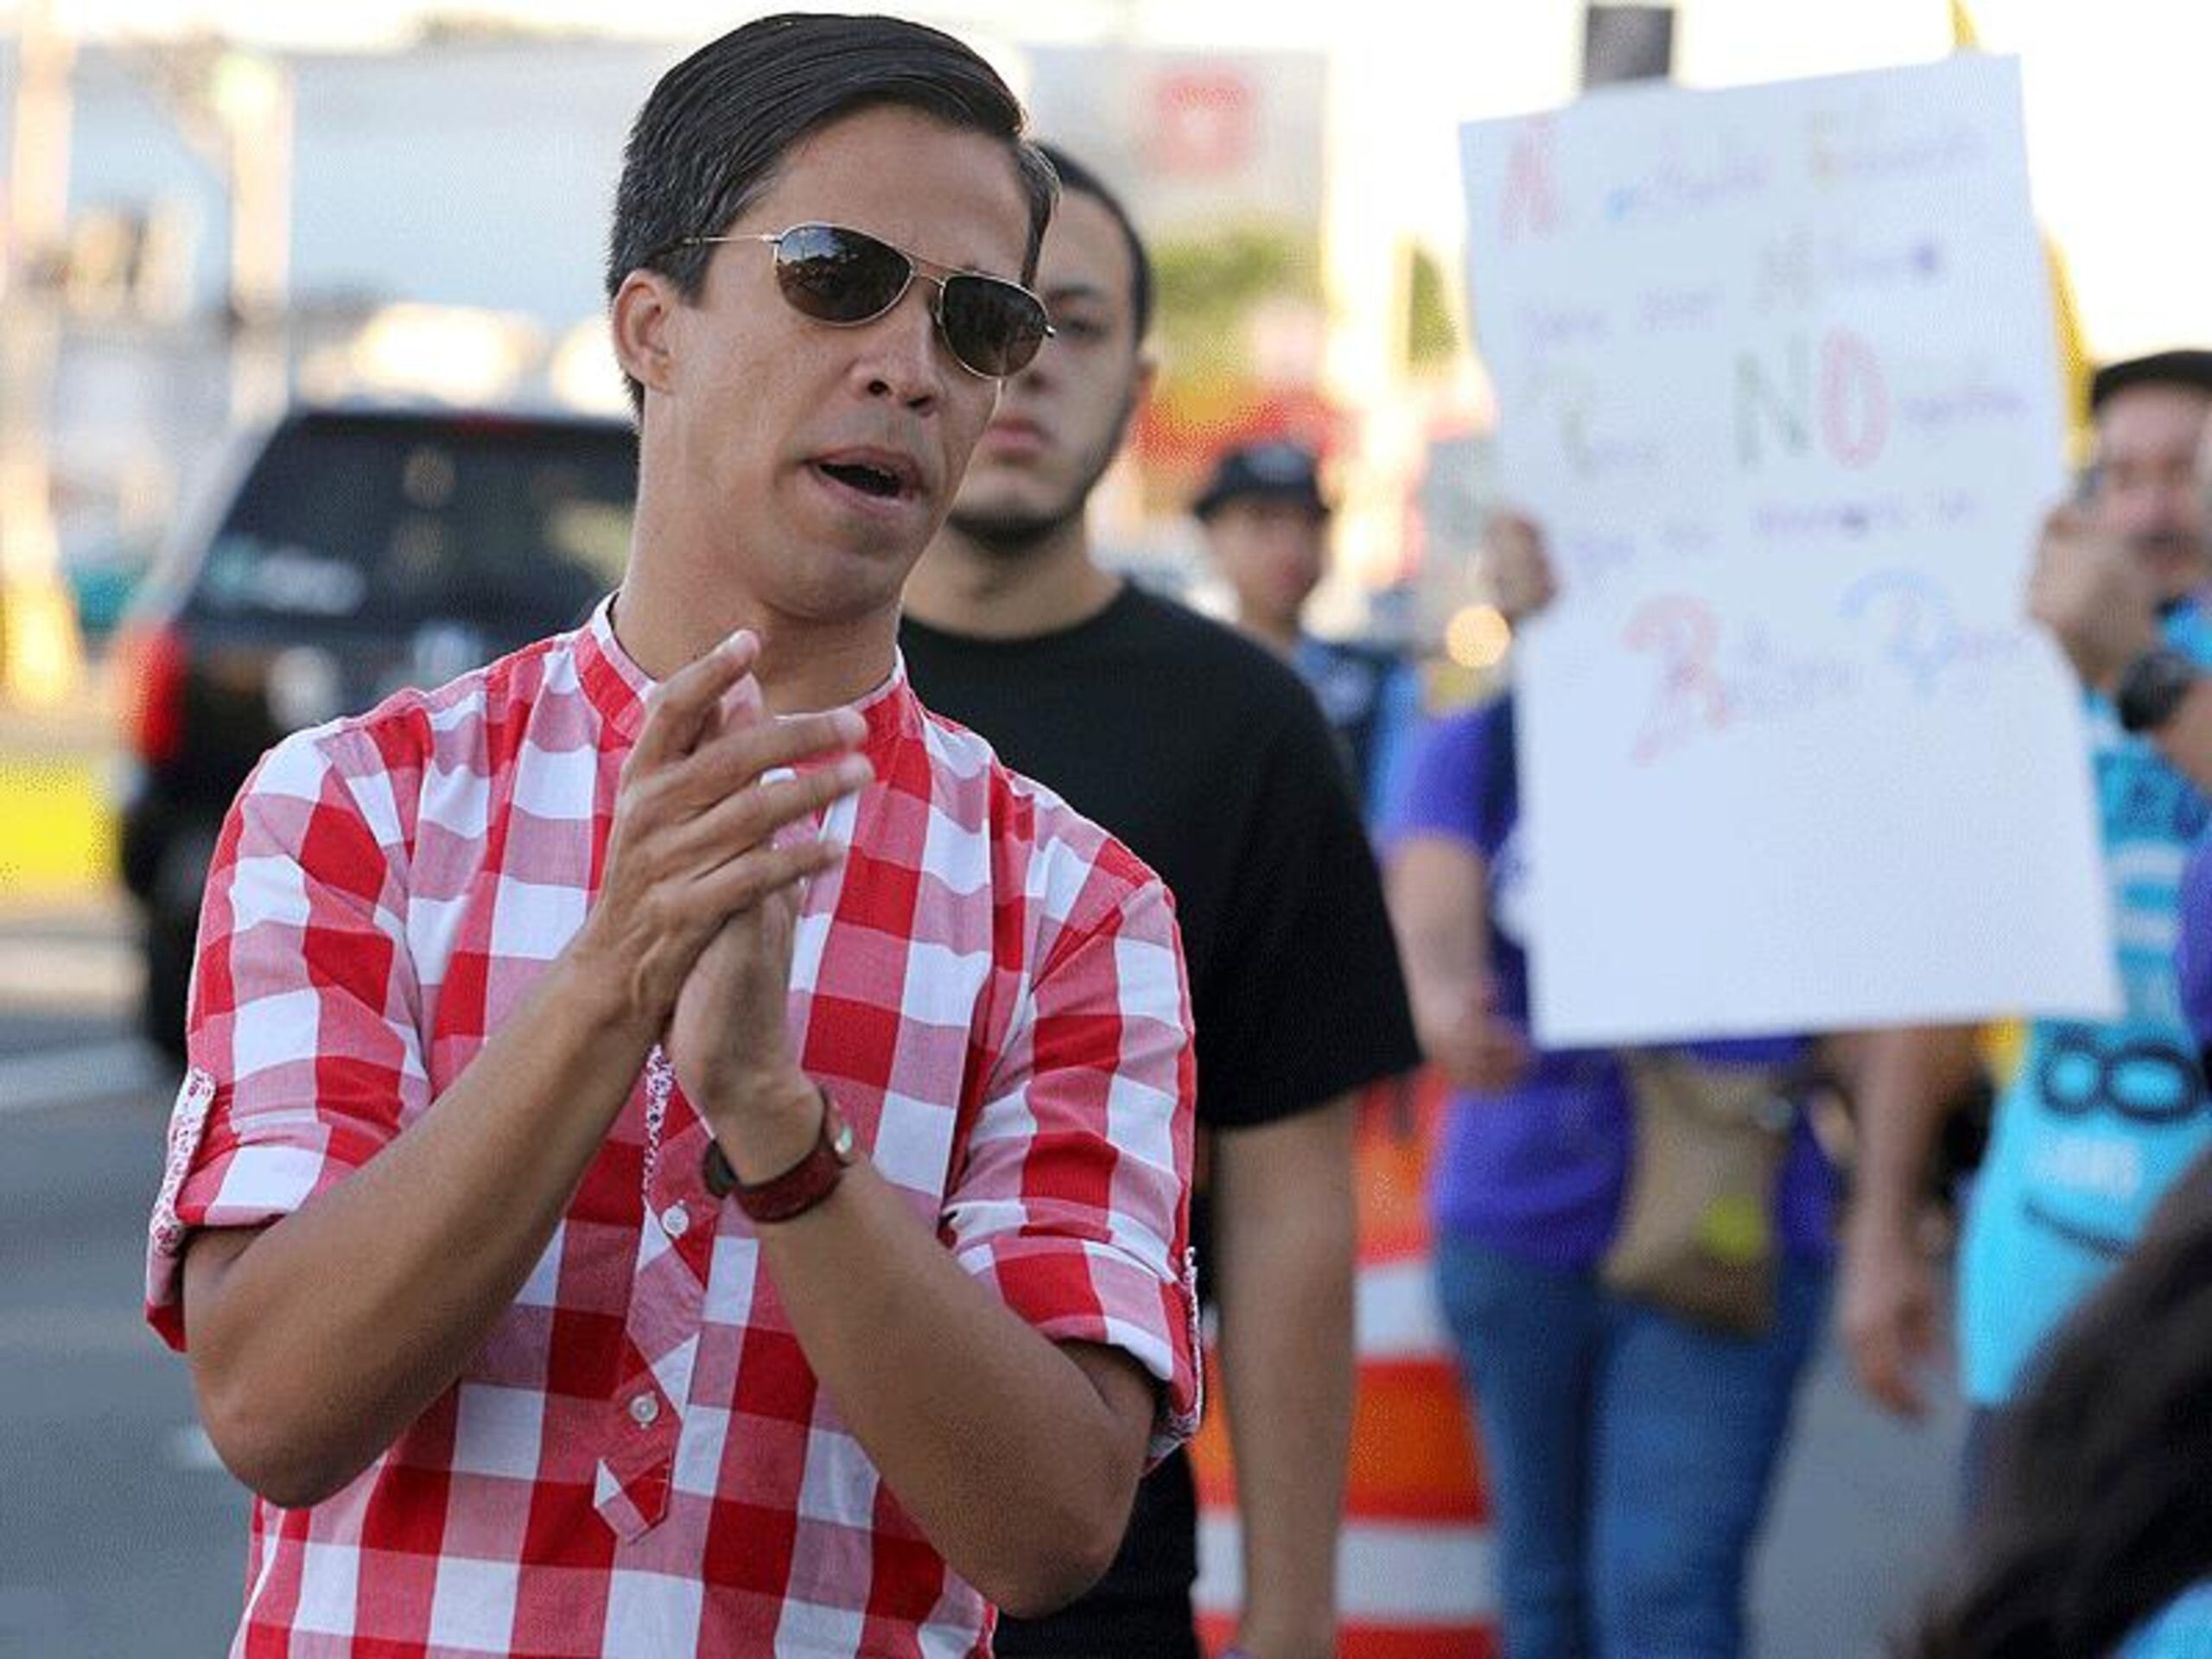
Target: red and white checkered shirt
(640, 1461)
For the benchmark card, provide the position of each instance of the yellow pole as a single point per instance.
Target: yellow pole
(2074, 368)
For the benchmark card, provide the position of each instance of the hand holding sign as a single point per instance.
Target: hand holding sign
(2095, 595)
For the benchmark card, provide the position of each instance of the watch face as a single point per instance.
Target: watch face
(2152, 687)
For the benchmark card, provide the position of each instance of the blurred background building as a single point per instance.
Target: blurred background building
(217, 205)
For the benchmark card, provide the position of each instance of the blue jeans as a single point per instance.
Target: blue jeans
(1627, 1455)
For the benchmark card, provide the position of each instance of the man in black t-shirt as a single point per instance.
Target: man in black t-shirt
(1210, 758)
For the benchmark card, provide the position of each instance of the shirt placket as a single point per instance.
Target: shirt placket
(661, 1332)
(675, 1257)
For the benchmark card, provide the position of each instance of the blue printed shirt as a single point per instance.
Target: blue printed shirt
(1373, 701)
(2182, 1631)
(2101, 1117)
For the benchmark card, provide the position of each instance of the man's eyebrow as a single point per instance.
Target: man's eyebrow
(1062, 291)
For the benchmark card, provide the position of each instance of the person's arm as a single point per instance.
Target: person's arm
(1435, 872)
(1018, 1456)
(1905, 1079)
(1284, 1237)
(2094, 595)
(316, 1339)
(1440, 903)
(1522, 582)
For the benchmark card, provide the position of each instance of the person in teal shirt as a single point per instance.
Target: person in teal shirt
(2097, 1539)
(2102, 1115)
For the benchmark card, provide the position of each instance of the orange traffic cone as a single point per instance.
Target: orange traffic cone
(1413, 1558)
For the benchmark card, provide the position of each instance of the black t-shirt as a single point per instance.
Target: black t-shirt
(1210, 758)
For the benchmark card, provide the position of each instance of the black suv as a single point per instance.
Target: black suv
(349, 553)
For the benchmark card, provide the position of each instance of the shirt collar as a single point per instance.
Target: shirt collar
(618, 688)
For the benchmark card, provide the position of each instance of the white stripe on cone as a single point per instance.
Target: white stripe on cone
(1395, 1312)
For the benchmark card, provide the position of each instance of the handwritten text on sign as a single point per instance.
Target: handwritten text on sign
(1775, 371)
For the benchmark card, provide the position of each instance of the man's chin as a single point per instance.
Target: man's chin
(1008, 529)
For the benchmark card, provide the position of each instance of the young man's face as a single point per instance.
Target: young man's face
(2149, 491)
(1270, 550)
(818, 458)
(1061, 420)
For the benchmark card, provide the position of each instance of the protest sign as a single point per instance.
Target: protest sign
(1776, 371)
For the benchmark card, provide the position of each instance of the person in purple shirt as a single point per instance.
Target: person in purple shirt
(1628, 1452)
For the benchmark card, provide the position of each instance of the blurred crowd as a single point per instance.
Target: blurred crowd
(1631, 1416)
(1632, 1411)
(1633, 1405)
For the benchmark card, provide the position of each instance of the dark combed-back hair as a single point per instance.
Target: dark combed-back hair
(2097, 1514)
(1079, 179)
(716, 127)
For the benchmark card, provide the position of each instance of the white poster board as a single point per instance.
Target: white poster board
(1775, 370)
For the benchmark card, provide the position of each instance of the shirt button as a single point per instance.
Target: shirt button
(645, 1410)
(675, 1220)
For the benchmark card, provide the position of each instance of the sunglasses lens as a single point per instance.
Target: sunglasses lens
(839, 276)
(992, 326)
(834, 275)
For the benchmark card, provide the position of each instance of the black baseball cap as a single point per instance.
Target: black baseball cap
(2188, 366)
(1275, 471)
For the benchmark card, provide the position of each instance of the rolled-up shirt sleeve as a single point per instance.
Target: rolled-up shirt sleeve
(1073, 1202)
(303, 1059)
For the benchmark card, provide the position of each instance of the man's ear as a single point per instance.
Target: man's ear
(644, 307)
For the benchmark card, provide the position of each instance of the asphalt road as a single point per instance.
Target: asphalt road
(120, 1536)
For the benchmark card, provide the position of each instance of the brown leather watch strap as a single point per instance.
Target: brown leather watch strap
(798, 1189)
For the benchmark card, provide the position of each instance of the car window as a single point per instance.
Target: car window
(389, 523)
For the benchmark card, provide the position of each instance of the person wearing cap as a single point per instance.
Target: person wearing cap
(2100, 588)
(2101, 1115)
(1266, 523)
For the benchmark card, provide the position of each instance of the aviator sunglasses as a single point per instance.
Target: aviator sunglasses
(847, 278)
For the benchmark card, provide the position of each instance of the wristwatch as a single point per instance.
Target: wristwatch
(798, 1189)
(2151, 687)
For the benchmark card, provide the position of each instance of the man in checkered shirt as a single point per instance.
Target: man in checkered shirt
(661, 1173)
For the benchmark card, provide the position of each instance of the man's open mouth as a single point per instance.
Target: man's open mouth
(878, 482)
